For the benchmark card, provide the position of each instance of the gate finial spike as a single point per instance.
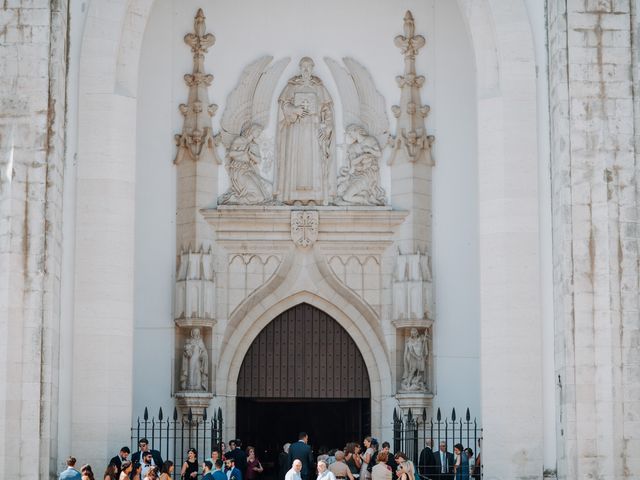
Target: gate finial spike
(146, 414)
(175, 414)
(160, 414)
(468, 416)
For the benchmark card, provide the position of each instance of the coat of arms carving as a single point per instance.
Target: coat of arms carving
(304, 227)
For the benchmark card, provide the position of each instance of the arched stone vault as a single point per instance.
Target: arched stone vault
(508, 207)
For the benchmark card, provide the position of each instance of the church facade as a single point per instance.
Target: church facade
(424, 205)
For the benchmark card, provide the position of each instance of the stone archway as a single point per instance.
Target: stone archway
(303, 372)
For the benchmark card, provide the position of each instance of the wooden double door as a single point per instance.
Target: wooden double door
(303, 372)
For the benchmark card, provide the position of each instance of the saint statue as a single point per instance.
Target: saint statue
(358, 182)
(415, 362)
(195, 363)
(247, 186)
(305, 143)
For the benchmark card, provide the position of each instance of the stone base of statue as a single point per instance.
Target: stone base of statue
(420, 403)
(194, 402)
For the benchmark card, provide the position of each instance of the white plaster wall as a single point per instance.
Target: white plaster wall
(249, 29)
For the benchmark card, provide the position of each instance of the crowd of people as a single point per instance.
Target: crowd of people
(369, 461)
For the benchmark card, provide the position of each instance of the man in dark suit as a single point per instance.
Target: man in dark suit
(426, 462)
(443, 463)
(121, 457)
(300, 450)
(143, 444)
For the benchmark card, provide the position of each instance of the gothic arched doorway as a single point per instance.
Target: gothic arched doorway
(303, 372)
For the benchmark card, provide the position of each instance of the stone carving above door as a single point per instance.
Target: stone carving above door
(245, 117)
(366, 134)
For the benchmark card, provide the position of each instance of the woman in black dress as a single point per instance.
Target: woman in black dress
(190, 467)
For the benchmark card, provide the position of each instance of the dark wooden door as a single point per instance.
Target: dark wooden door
(303, 354)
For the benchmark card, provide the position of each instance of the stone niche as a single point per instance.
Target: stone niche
(193, 377)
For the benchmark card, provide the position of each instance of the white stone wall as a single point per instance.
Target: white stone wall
(32, 120)
(595, 215)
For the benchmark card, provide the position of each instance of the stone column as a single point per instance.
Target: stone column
(197, 176)
(593, 68)
(33, 66)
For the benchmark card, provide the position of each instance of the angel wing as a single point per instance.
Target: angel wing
(361, 102)
(348, 92)
(373, 112)
(239, 105)
(264, 92)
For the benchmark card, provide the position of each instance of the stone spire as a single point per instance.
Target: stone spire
(197, 176)
(196, 141)
(410, 159)
(411, 142)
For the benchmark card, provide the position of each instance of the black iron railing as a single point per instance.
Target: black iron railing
(411, 434)
(173, 437)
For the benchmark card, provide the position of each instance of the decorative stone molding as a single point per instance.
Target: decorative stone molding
(304, 227)
(362, 274)
(196, 142)
(247, 272)
(411, 142)
(195, 289)
(412, 290)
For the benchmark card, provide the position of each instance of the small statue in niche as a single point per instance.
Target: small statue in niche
(247, 186)
(358, 182)
(415, 362)
(195, 363)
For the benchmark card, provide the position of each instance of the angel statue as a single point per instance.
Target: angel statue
(358, 182)
(367, 133)
(415, 361)
(305, 139)
(245, 117)
(247, 186)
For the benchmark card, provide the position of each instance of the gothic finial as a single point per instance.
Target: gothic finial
(411, 142)
(197, 139)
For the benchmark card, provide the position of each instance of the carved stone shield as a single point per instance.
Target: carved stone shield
(304, 227)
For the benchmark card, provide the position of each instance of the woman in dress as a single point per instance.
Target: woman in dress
(461, 463)
(87, 473)
(254, 467)
(190, 467)
(367, 457)
(352, 458)
(167, 470)
(111, 473)
(323, 471)
(125, 470)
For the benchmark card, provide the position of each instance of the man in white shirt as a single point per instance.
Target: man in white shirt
(294, 473)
